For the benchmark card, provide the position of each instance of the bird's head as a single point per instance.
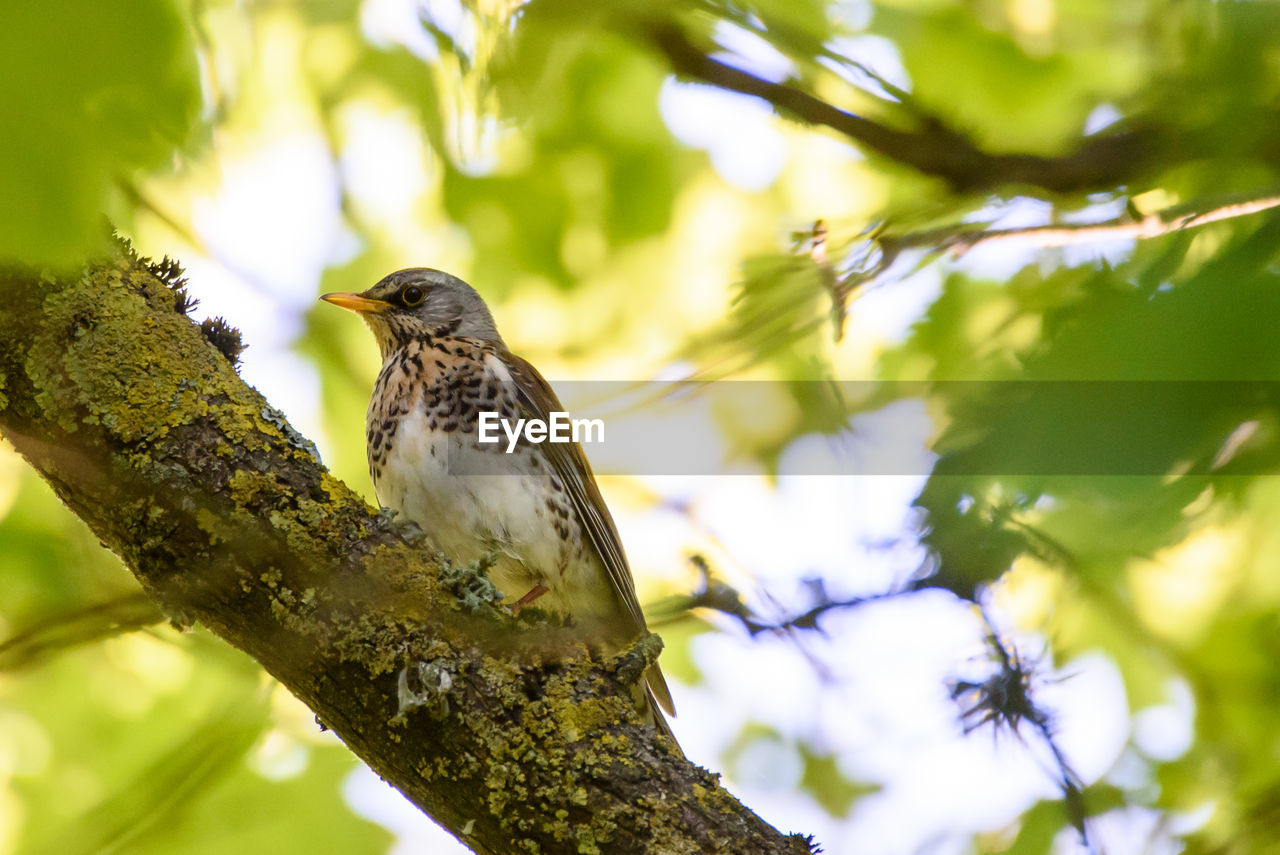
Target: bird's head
(419, 302)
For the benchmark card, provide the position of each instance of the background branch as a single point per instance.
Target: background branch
(1099, 162)
(81, 626)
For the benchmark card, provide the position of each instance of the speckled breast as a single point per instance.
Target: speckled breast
(473, 499)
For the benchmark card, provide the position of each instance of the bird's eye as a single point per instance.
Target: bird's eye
(412, 295)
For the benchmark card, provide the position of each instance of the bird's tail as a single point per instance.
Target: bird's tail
(659, 721)
(658, 690)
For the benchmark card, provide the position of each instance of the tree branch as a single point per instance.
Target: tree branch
(511, 733)
(1100, 162)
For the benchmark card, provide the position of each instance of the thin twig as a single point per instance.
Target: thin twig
(1005, 699)
(1167, 221)
(881, 250)
(834, 284)
(719, 596)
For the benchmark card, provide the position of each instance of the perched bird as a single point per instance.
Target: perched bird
(535, 513)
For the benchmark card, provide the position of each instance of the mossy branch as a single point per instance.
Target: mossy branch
(514, 738)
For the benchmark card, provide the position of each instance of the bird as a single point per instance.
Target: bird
(535, 516)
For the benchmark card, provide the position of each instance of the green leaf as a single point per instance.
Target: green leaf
(985, 81)
(829, 787)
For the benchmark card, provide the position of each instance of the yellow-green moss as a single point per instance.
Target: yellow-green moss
(211, 524)
(91, 362)
(245, 486)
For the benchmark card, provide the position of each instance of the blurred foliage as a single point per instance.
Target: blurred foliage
(153, 741)
(91, 94)
(1106, 417)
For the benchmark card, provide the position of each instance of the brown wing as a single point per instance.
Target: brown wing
(569, 461)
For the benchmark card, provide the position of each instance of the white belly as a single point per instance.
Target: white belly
(469, 502)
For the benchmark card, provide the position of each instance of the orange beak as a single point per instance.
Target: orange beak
(354, 302)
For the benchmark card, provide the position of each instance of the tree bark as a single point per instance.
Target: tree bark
(510, 733)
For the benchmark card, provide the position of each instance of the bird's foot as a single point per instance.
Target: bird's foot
(534, 593)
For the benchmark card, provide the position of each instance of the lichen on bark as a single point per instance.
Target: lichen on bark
(531, 742)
